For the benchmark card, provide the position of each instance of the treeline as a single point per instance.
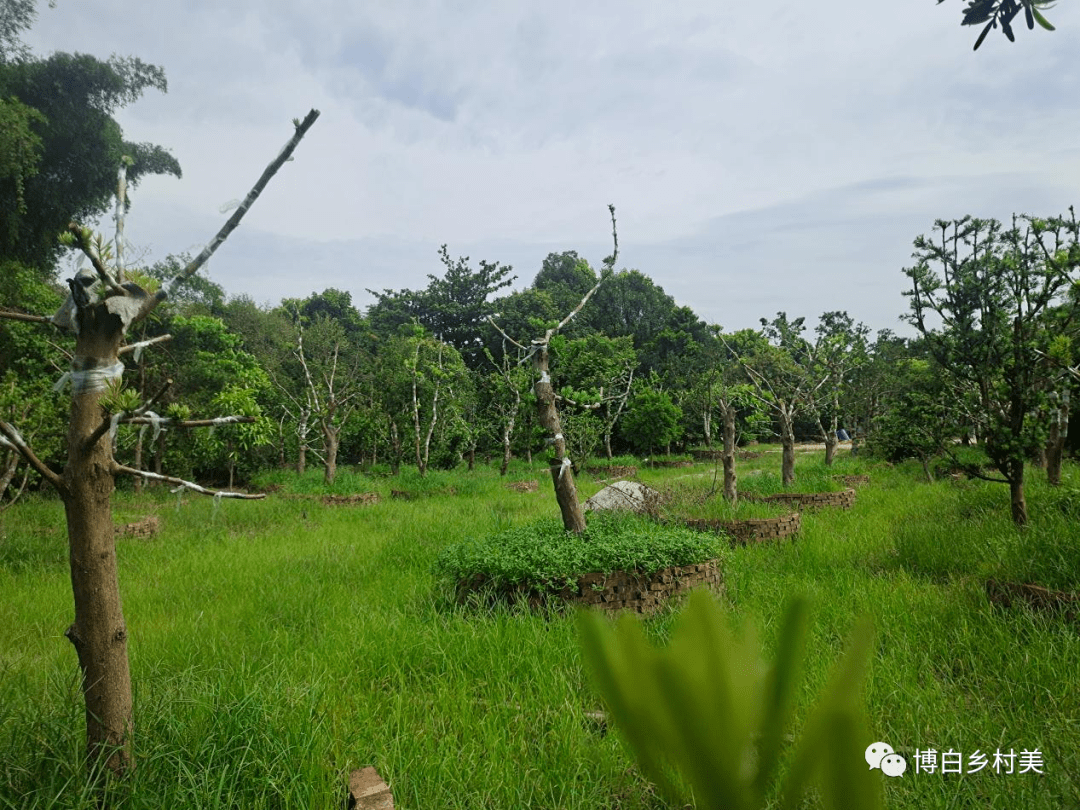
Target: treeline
(437, 376)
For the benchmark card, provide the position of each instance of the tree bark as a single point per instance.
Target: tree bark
(787, 442)
(330, 439)
(1059, 432)
(830, 449)
(99, 632)
(1016, 492)
(731, 492)
(11, 463)
(562, 473)
(395, 448)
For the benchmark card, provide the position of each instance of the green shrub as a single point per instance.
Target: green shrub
(545, 556)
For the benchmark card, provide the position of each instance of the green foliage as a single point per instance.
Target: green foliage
(708, 708)
(920, 417)
(651, 421)
(543, 555)
(1002, 294)
(73, 98)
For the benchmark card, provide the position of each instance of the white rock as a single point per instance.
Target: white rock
(623, 495)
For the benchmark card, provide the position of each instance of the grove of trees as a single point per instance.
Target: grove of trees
(577, 362)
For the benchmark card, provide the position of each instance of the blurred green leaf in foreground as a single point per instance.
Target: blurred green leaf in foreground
(708, 719)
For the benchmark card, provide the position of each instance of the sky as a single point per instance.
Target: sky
(762, 157)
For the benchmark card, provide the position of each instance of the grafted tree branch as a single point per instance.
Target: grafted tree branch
(180, 482)
(301, 129)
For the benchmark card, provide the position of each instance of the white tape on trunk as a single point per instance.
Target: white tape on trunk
(89, 380)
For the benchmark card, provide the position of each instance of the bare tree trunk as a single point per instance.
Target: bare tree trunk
(1059, 432)
(1016, 492)
(11, 463)
(787, 443)
(830, 449)
(395, 448)
(706, 425)
(562, 473)
(434, 419)
(159, 455)
(416, 412)
(330, 438)
(99, 632)
(302, 447)
(508, 432)
(731, 492)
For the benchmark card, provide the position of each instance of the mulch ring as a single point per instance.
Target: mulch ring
(749, 455)
(360, 498)
(613, 471)
(524, 486)
(1036, 597)
(666, 463)
(147, 527)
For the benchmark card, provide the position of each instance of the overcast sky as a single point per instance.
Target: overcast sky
(761, 156)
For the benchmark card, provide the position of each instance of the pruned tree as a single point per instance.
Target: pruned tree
(100, 310)
(980, 297)
(839, 349)
(331, 387)
(785, 380)
(503, 388)
(562, 473)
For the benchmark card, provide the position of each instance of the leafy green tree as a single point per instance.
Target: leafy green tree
(919, 418)
(651, 420)
(784, 375)
(989, 289)
(453, 307)
(63, 145)
(595, 373)
(839, 349)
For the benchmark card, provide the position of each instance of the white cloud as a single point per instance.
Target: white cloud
(762, 157)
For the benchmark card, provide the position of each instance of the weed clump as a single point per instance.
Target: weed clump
(543, 556)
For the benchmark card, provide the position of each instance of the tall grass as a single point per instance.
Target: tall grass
(277, 645)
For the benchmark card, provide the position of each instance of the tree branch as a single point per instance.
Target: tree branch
(506, 336)
(142, 344)
(83, 243)
(22, 316)
(10, 437)
(301, 129)
(168, 479)
(188, 423)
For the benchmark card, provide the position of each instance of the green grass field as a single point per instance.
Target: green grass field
(277, 645)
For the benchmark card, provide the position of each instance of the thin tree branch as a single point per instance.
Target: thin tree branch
(506, 336)
(10, 437)
(83, 243)
(161, 392)
(23, 316)
(168, 479)
(301, 129)
(188, 423)
(142, 344)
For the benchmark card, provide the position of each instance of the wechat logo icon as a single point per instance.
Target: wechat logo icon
(881, 755)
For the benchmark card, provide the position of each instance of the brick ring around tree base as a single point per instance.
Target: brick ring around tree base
(619, 590)
(756, 530)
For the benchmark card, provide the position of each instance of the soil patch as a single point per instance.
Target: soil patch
(360, 498)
